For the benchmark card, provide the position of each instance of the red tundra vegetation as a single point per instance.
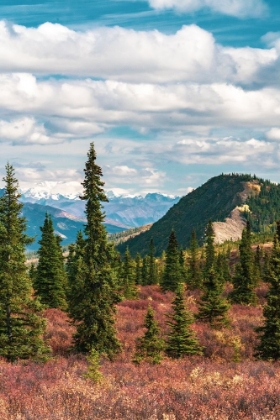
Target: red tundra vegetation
(227, 383)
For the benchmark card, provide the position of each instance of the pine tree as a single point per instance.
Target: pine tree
(172, 270)
(257, 268)
(128, 277)
(145, 270)
(269, 347)
(210, 258)
(152, 268)
(50, 281)
(32, 272)
(212, 307)
(266, 267)
(181, 340)
(94, 316)
(243, 279)
(21, 321)
(138, 269)
(182, 263)
(194, 278)
(150, 346)
(222, 267)
(75, 269)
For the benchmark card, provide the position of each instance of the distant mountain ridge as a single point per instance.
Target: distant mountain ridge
(123, 211)
(227, 200)
(67, 211)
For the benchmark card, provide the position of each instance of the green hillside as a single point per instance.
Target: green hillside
(264, 207)
(213, 200)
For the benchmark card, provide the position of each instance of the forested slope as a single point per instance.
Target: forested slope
(213, 200)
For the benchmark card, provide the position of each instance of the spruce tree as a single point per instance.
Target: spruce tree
(210, 258)
(150, 346)
(128, 277)
(138, 269)
(266, 268)
(21, 321)
(243, 279)
(94, 316)
(182, 263)
(222, 267)
(75, 268)
(212, 307)
(152, 268)
(50, 280)
(257, 268)
(194, 278)
(269, 333)
(145, 270)
(181, 340)
(172, 274)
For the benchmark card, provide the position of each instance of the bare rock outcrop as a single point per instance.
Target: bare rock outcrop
(232, 227)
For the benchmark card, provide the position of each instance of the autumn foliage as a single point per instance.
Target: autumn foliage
(226, 383)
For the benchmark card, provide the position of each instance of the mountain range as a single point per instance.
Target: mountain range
(228, 200)
(67, 211)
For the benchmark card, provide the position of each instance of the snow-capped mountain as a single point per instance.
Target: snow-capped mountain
(67, 210)
(122, 210)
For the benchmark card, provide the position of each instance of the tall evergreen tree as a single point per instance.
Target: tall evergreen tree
(257, 268)
(95, 314)
(128, 277)
(152, 268)
(151, 345)
(194, 278)
(172, 274)
(266, 267)
(243, 279)
(210, 258)
(21, 321)
(50, 281)
(145, 270)
(181, 340)
(138, 269)
(75, 268)
(212, 306)
(182, 263)
(269, 346)
(222, 267)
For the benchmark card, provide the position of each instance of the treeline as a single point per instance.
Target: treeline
(95, 278)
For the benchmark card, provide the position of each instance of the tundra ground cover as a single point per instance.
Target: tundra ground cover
(226, 383)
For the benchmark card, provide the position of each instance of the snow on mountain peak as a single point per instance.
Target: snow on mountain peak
(53, 190)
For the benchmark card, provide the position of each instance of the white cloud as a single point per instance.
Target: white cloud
(238, 8)
(123, 171)
(273, 134)
(96, 105)
(191, 55)
(54, 181)
(26, 131)
(143, 176)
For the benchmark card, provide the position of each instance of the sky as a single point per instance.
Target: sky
(171, 92)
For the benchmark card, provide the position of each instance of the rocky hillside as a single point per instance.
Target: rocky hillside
(228, 200)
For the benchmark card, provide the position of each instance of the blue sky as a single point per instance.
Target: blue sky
(172, 92)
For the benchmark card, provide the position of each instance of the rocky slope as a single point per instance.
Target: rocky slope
(227, 200)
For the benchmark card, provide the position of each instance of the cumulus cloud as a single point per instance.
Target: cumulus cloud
(26, 131)
(100, 104)
(273, 134)
(238, 8)
(143, 176)
(191, 55)
(64, 181)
